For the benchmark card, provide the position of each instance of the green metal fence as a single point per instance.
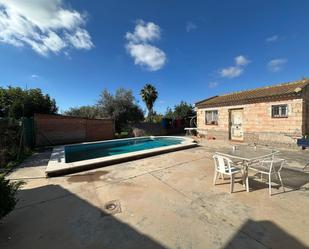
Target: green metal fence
(28, 132)
(16, 139)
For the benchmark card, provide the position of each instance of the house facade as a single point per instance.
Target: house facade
(270, 115)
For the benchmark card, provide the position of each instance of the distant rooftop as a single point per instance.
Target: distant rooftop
(263, 94)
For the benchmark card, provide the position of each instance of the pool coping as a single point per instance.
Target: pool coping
(57, 165)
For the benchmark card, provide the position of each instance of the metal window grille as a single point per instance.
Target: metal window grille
(279, 111)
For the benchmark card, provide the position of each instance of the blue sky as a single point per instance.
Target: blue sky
(189, 50)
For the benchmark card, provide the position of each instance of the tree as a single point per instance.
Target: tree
(183, 110)
(16, 102)
(84, 111)
(157, 117)
(121, 106)
(149, 95)
(169, 113)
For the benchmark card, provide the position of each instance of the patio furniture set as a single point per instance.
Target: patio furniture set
(241, 159)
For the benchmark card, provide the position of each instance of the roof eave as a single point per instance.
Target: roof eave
(252, 101)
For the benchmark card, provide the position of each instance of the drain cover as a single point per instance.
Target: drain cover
(112, 207)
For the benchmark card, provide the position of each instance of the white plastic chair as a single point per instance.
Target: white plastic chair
(224, 166)
(269, 167)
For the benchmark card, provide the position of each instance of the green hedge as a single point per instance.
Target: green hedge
(12, 151)
(7, 195)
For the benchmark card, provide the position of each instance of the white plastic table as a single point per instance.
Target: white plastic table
(247, 155)
(189, 130)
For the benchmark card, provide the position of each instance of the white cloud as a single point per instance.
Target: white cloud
(147, 55)
(213, 84)
(143, 53)
(80, 39)
(234, 71)
(45, 26)
(272, 38)
(276, 65)
(35, 76)
(144, 32)
(190, 26)
(241, 60)
(231, 72)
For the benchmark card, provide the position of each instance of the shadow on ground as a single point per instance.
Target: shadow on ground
(267, 234)
(295, 157)
(63, 220)
(38, 159)
(292, 179)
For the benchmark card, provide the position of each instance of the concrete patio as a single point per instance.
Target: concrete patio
(165, 201)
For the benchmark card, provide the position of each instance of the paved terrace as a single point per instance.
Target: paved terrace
(165, 201)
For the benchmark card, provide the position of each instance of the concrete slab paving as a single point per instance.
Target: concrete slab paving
(240, 206)
(165, 201)
(33, 167)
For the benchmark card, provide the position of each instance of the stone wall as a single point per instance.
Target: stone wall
(258, 124)
(306, 112)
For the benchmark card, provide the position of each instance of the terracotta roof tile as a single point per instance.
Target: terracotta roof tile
(287, 90)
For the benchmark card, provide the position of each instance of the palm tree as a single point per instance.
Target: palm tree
(149, 95)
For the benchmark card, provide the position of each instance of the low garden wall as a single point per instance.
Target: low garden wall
(155, 129)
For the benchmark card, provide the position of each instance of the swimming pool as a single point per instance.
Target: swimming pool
(77, 157)
(80, 152)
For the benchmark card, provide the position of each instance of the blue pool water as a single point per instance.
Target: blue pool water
(80, 152)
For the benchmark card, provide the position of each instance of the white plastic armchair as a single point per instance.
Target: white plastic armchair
(269, 167)
(224, 166)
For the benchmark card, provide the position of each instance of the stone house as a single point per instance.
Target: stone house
(270, 115)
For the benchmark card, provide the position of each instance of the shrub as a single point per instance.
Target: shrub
(12, 151)
(7, 195)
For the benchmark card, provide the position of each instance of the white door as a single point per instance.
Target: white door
(236, 125)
